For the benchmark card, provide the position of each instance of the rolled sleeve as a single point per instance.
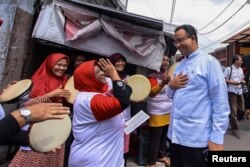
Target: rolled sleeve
(217, 138)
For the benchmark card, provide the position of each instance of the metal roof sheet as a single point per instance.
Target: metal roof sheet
(241, 37)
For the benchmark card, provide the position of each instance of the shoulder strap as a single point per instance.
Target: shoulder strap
(230, 72)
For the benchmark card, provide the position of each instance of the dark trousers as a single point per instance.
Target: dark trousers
(182, 156)
(67, 148)
(236, 103)
(157, 144)
(125, 157)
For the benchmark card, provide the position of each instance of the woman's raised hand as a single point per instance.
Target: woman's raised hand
(108, 68)
(165, 80)
(59, 92)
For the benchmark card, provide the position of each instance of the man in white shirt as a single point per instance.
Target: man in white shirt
(235, 78)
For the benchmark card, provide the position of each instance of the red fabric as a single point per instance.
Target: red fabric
(43, 80)
(153, 82)
(84, 79)
(105, 107)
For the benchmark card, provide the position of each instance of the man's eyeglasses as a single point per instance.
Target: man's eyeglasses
(181, 40)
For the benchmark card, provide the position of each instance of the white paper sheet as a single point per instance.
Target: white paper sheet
(135, 122)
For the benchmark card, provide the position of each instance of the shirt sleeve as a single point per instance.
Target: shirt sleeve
(104, 107)
(21, 138)
(219, 102)
(9, 127)
(37, 100)
(122, 92)
(153, 82)
(155, 88)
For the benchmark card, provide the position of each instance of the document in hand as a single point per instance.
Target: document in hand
(135, 122)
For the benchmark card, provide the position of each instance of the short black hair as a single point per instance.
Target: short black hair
(190, 30)
(235, 58)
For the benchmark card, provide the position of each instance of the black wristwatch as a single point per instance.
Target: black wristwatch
(26, 114)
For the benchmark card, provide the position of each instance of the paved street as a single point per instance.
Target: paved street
(231, 143)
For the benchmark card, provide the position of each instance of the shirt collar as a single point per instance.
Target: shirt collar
(234, 66)
(193, 54)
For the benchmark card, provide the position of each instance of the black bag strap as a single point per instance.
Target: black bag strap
(230, 72)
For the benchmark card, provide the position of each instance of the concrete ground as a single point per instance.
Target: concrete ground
(232, 143)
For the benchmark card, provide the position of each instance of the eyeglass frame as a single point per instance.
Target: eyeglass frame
(181, 40)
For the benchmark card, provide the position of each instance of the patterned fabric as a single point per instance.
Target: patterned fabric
(36, 159)
(39, 99)
(26, 157)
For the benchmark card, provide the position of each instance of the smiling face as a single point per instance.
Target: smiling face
(120, 64)
(100, 75)
(60, 67)
(185, 43)
(165, 63)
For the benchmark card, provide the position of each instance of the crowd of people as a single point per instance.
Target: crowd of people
(191, 110)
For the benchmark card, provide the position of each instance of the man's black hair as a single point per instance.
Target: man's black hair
(190, 30)
(235, 58)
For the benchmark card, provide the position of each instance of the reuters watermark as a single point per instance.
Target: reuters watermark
(228, 158)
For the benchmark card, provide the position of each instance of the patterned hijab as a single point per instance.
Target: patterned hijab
(85, 81)
(44, 81)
